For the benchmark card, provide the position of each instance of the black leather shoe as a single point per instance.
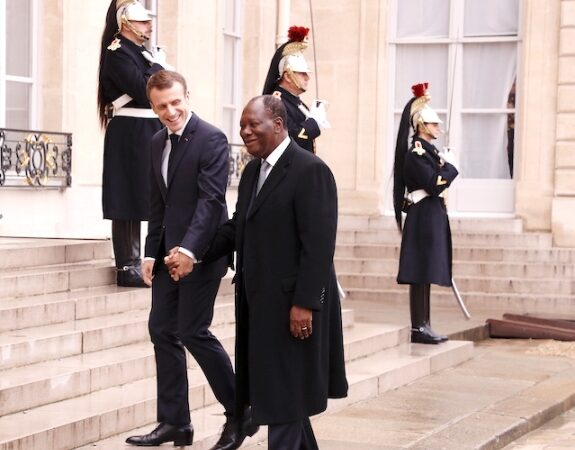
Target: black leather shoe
(233, 435)
(423, 336)
(130, 276)
(179, 435)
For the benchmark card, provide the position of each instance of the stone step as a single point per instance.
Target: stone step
(460, 238)
(30, 252)
(464, 268)
(50, 381)
(57, 307)
(488, 254)
(72, 422)
(56, 278)
(440, 296)
(467, 284)
(498, 225)
(377, 373)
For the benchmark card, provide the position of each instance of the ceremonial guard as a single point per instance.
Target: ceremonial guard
(422, 174)
(124, 111)
(288, 78)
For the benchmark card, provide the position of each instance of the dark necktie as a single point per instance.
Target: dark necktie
(174, 139)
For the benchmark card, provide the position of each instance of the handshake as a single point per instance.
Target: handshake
(318, 113)
(179, 265)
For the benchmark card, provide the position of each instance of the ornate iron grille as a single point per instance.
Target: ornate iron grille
(35, 158)
(239, 157)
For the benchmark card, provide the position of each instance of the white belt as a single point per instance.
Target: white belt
(136, 112)
(417, 195)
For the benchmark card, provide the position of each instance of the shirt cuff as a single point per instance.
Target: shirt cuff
(188, 253)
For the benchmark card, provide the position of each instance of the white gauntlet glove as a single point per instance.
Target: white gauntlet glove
(159, 57)
(447, 155)
(317, 112)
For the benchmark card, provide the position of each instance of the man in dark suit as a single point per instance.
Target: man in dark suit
(189, 178)
(289, 345)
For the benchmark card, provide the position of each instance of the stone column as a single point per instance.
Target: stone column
(563, 207)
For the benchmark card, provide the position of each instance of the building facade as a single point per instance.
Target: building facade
(501, 74)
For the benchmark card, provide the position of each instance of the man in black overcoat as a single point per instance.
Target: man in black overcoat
(289, 345)
(124, 110)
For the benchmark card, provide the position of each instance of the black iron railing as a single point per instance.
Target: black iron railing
(33, 158)
(239, 157)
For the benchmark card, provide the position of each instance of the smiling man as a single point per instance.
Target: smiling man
(188, 186)
(289, 345)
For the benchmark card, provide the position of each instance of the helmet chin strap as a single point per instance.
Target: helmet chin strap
(423, 125)
(131, 27)
(293, 78)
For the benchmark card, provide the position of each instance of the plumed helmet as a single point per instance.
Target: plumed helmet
(128, 10)
(420, 111)
(288, 58)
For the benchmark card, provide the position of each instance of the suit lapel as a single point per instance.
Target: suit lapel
(274, 178)
(185, 141)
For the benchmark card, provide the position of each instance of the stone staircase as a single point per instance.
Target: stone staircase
(496, 266)
(77, 368)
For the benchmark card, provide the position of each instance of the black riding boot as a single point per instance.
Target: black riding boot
(126, 243)
(420, 308)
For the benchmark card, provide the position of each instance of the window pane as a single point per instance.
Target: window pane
(488, 73)
(491, 17)
(484, 149)
(18, 38)
(17, 105)
(429, 18)
(416, 64)
(228, 125)
(230, 14)
(229, 68)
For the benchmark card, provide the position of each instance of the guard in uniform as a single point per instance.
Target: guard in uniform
(422, 174)
(124, 111)
(288, 78)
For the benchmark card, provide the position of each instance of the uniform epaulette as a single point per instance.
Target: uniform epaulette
(115, 45)
(418, 148)
(277, 94)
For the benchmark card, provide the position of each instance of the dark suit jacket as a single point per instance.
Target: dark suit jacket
(285, 242)
(188, 211)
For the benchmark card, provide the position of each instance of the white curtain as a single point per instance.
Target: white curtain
(491, 17)
(489, 72)
(422, 18)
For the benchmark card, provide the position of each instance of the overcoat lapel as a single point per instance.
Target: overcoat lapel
(277, 174)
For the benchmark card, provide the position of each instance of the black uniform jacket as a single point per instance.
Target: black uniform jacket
(302, 130)
(426, 242)
(188, 211)
(285, 242)
(125, 184)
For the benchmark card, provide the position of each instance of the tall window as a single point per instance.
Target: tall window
(231, 96)
(18, 63)
(467, 50)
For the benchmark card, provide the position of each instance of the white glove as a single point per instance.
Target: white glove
(159, 57)
(447, 155)
(317, 112)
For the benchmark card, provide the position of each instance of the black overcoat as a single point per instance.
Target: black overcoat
(285, 242)
(425, 255)
(125, 183)
(303, 130)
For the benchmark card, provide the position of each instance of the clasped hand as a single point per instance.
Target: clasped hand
(179, 264)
